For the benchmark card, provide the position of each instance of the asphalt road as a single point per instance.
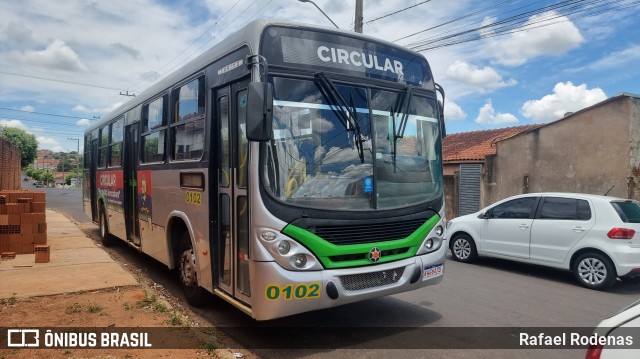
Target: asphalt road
(491, 293)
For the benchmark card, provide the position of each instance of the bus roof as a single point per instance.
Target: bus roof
(248, 35)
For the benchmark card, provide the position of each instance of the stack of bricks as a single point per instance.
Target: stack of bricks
(23, 223)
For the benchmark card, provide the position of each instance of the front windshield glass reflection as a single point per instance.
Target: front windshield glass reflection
(313, 159)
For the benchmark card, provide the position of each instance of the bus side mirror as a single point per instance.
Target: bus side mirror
(259, 111)
(443, 128)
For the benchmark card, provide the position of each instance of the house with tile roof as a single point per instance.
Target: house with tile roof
(463, 162)
(595, 150)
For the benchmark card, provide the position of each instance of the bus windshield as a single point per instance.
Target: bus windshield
(313, 158)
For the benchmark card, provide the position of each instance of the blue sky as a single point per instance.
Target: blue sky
(550, 63)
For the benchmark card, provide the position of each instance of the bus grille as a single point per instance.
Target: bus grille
(353, 282)
(366, 233)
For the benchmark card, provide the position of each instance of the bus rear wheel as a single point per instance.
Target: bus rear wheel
(106, 239)
(188, 272)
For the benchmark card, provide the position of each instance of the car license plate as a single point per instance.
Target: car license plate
(433, 271)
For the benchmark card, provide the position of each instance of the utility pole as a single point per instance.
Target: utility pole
(77, 159)
(358, 20)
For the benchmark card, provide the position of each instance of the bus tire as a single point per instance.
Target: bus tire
(187, 272)
(106, 238)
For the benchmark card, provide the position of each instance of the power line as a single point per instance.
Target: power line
(399, 11)
(42, 113)
(55, 80)
(193, 53)
(510, 25)
(457, 19)
(191, 44)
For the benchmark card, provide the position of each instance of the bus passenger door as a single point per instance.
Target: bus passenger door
(233, 206)
(92, 180)
(131, 184)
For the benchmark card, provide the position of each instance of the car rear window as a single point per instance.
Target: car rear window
(628, 211)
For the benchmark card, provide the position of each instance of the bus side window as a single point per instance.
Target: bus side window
(188, 127)
(103, 147)
(154, 121)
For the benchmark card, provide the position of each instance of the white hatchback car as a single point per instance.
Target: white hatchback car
(593, 236)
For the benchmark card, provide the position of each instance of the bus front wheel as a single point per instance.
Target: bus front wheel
(188, 272)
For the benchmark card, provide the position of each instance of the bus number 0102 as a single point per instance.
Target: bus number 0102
(290, 291)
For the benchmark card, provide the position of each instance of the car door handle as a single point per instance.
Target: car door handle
(579, 229)
(523, 226)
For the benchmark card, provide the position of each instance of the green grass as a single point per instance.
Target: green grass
(95, 309)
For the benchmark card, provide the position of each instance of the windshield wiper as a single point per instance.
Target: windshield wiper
(406, 102)
(339, 105)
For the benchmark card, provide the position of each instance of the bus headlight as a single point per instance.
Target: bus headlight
(268, 235)
(287, 252)
(434, 240)
(284, 247)
(428, 244)
(432, 244)
(299, 260)
(439, 230)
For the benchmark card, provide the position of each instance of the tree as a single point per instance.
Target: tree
(26, 143)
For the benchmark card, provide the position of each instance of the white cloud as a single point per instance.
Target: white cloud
(13, 123)
(627, 57)
(27, 108)
(452, 111)
(565, 98)
(482, 79)
(49, 144)
(521, 46)
(83, 122)
(58, 56)
(488, 115)
(109, 108)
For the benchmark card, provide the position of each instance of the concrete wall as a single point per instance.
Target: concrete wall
(10, 171)
(451, 195)
(586, 152)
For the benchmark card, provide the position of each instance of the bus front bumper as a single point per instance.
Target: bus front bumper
(278, 292)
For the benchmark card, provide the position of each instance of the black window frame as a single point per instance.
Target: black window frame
(86, 160)
(536, 201)
(113, 143)
(177, 122)
(160, 130)
(103, 148)
(577, 216)
(622, 213)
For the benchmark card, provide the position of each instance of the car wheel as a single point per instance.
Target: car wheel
(463, 248)
(595, 271)
(105, 238)
(188, 272)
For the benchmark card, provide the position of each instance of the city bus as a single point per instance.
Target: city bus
(287, 169)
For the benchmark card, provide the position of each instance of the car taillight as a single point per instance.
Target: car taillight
(621, 233)
(593, 352)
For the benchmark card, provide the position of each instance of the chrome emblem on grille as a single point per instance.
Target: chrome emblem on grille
(375, 254)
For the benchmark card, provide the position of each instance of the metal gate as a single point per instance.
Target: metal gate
(469, 188)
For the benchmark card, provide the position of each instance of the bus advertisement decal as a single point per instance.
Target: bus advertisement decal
(144, 194)
(110, 186)
(293, 291)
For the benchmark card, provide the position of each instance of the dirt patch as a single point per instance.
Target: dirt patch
(117, 307)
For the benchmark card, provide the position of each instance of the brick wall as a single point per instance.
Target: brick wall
(10, 171)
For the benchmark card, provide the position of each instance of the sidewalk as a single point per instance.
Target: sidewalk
(76, 264)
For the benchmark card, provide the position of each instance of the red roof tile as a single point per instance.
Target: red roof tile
(475, 145)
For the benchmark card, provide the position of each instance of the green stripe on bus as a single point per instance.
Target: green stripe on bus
(324, 249)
